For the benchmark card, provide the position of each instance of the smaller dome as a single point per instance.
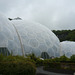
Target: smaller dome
(68, 48)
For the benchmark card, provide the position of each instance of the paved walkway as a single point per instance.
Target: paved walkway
(43, 72)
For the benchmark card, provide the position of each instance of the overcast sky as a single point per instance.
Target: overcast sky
(55, 14)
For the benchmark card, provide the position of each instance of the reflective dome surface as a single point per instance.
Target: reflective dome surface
(8, 37)
(24, 37)
(68, 48)
(37, 38)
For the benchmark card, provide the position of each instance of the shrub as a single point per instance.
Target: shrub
(1, 57)
(70, 66)
(55, 65)
(16, 65)
(63, 58)
(72, 58)
(47, 61)
(56, 59)
(17, 68)
(39, 62)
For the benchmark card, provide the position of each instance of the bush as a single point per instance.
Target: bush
(63, 58)
(39, 62)
(16, 65)
(46, 62)
(17, 68)
(70, 66)
(72, 58)
(56, 59)
(55, 65)
(1, 57)
(32, 56)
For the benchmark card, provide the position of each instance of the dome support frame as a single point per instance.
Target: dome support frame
(19, 40)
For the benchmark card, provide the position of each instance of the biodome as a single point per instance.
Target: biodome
(23, 37)
(9, 41)
(68, 48)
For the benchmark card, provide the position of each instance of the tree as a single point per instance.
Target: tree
(72, 58)
(65, 35)
(32, 56)
(63, 58)
(56, 59)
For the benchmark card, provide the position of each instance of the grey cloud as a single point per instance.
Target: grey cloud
(55, 14)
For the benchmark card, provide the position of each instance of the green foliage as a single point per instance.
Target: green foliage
(70, 66)
(17, 68)
(55, 65)
(65, 35)
(39, 62)
(72, 58)
(1, 57)
(56, 59)
(63, 58)
(51, 63)
(47, 61)
(16, 65)
(19, 65)
(32, 56)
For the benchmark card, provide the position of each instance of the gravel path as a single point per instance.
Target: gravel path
(40, 71)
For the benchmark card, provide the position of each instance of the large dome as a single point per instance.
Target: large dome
(9, 41)
(68, 48)
(37, 38)
(24, 37)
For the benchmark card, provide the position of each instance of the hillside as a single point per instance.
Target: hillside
(64, 35)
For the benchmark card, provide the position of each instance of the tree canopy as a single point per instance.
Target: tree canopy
(64, 35)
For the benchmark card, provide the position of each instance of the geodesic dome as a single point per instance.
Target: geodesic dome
(37, 38)
(24, 37)
(9, 41)
(68, 48)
